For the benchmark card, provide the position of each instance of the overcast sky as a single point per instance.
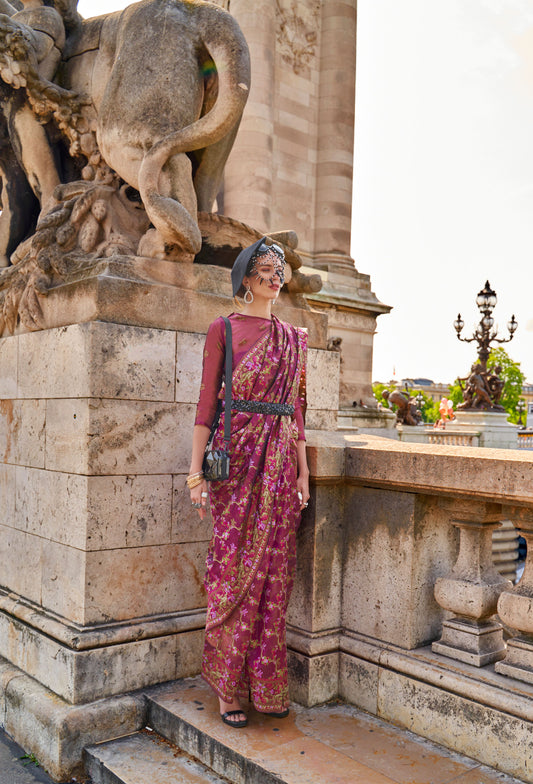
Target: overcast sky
(443, 188)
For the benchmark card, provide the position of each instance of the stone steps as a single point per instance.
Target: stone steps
(333, 743)
(144, 758)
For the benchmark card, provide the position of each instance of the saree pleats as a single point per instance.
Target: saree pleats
(251, 557)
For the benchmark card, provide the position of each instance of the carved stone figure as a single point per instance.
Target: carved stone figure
(407, 412)
(133, 111)
(114, 138)
(297, 36)
(482, 389)
(495, 385)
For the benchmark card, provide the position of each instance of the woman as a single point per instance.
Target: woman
(251, 558)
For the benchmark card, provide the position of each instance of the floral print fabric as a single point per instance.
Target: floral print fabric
(251, 556)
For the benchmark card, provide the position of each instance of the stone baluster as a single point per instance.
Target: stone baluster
(472, 589)
(515, 607)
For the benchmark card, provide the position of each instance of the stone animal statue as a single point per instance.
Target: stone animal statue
(151, 96)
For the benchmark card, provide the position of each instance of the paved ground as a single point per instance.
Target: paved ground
(12, 769)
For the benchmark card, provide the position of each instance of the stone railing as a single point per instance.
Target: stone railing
(398, 607)
(525, 439)
(431, 435)
(452, 439)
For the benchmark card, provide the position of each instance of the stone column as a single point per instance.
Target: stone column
(248, 178)
(472, 589)
(515, 607)
(335, 134)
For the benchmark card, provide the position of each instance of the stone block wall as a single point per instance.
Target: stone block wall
(101, 555)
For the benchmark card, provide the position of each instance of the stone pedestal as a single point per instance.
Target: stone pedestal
(368, 420)
(101, 555)
(492, 427)
(352, 309)
(472, 590)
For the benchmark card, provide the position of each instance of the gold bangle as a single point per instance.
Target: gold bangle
(198, 473)
(194, 481)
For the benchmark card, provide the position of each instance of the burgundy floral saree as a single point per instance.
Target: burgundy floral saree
(251, 557)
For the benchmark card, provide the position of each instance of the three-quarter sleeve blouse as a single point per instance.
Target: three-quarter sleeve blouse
(246, 331)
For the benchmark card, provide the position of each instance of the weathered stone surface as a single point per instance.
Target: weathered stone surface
(189, 354)
(7, 673)
(313, 680)
(57, 732)
(501, 475)
(358, 682)
(320, 562)
(186, 523)
(22, 438)
(117, 436)
(21, 562)
(325, 454)
(63, 566)
(7, 495)
(490, 736)
(97, 360)
(8, 368)
(136, 758)
(397, 545)
(323, 380)
(160, 295)
(52, 505)
(84, 675)
(128, 511)
(141, 581)
(321, 420)
(88, 513)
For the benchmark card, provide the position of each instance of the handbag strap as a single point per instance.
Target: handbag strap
(228, 375)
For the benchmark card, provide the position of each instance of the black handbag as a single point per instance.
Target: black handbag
(216, 461)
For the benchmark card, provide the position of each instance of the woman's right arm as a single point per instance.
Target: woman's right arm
(200, 437)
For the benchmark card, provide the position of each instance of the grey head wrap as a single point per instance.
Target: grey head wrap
(240, 266)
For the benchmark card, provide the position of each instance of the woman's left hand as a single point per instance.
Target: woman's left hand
(302, 485)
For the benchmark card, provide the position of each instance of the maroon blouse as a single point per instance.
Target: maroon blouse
(246, 331)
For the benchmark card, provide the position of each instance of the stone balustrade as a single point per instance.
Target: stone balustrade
(525, 439)
(398, 607)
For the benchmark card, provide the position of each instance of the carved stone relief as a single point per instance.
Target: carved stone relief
(297, 33)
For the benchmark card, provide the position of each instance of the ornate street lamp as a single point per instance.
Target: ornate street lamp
(485, 333)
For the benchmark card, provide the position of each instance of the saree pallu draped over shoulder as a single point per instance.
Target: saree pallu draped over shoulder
(252, 554)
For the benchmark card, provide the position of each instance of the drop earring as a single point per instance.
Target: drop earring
(248, 297)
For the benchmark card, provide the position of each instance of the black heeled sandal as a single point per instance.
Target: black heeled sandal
(236, 724)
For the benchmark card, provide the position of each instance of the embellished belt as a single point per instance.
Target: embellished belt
(260, 407)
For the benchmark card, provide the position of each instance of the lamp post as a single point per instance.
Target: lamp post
(485, 333)
(521, 406)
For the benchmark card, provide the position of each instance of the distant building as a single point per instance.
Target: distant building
(433, 390)
(527, 392)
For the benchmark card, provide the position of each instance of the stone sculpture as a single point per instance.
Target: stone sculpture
(482, 390)
(130, 109)
(115, 134)
(407, 412)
